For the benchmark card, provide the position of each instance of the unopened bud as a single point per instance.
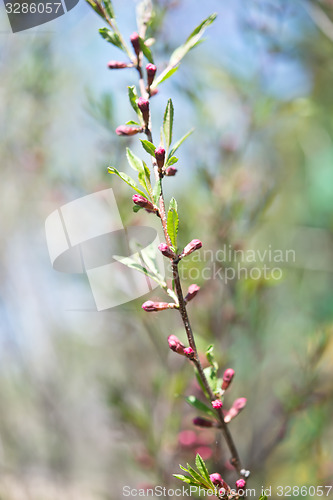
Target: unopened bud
(228, 375)
(240, 484)
(175, 344)
(217, 404)
(135, 41)
(143, 105)
(151, 306)
(166, 251)
(143, 202)
(160, 157)
(236, 408)
(217, 480)
(127, 130)
(151, 72)
(117, 65)
(191, 292)
(171, 171)
(189, 352)
(191, 247)
(203, 422)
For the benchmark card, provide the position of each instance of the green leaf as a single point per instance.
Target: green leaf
(171, 161)
(96, 8)
(168, 123)
(213, 380)
(111, 37)
(136, 208)
(148, 146)
(157, 191)
(109, 8)
(263, 497)
(199, 405)
(191, 41)
(132, 122)
(201, 466)
(133, 264)
(180, 142)
(146, 51)
(164, 76)
(126, 178)
(186, 479)
(199, 479)
(133, 97)
(211, 357)
(173, 222)
(134, 161)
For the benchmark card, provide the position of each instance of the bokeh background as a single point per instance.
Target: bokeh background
(90, 402)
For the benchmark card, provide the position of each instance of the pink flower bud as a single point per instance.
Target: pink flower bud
(217, 404)
(117, 65)
(143, 202)
(127, 130)
(143, 105)
(135, 41)
(236, 408)
(175, 344)
(203, 422)
(160, 157)
(166, 251)
(189, 352)
(217, 480)
(191, 247)
(151, 306)
(151, 72)
(171, 171)
(240, 484)
(228, 375)
(191, 292)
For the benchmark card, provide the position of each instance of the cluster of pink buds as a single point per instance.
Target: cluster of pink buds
(177, 346)
(128, 130)
(217, 480)
(151, 306)
(117, 65)
(151, 72)
(190, 248)
(166, 251)
(191, 292)
(238, 405)
(135, 41)
(143, 105)
(227, 378)
(141, 201)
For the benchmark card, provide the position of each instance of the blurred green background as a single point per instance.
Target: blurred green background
(90, 402)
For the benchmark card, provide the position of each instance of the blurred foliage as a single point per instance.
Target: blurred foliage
(90, 403)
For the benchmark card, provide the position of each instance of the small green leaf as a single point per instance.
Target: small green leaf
(148, 146)
(136, 208)
(109, 9)
(131, 263)
(133, 97)
(186, 479)
(199, 405)
(96, 8)
(201, 466)
(134, 161)
(211, 357)
(111, 37)
(173, 222)
(212, 379)
(171, 161)
(126, 178)
(191, 41)
(180, 142)
(146, 51)
(132, 122)
(263, 497)
(167, 73)
(168, 123)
